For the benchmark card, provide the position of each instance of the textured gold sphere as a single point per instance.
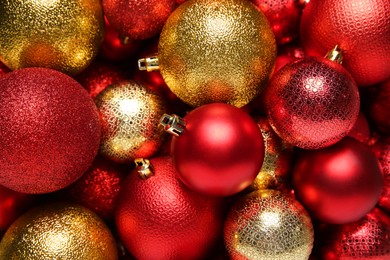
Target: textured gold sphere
(216, 51)
(268, 224)
(130, 115)
(64, 35)
(58, 231)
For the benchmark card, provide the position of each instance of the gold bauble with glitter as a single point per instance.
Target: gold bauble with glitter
(58, 231)
(215, 51)
(268, 224)
(64, 35)
(130, 114)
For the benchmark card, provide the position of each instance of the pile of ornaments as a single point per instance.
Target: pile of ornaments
(199, 129)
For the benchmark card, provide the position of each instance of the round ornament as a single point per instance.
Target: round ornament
(58, 231)
(64, 35)
(215, 51)
(49, 130)
(379, 106)
(268, 224)
(338, 184)
(129, 114)
(361, 130)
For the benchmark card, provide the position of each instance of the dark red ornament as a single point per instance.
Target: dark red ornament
(378, 105)
(361, 130)
(221, 150)
(49, 130)
(360, 28)
(338, 184)
(160, 218)
(312, 103)
(138, 19)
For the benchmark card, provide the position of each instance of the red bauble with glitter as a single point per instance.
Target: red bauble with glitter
(139, 19)
(158, 217)
(338, 184)
(378, 105)
(221, 150)
(367, 238)
(49, 130)
(360, 28)
(312, 103)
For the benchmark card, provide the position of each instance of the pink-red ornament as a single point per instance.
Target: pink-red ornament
(139, 19)
(338, 184)
(49, 130)
(221, 150)
(378, 106)
(158, 217)
(360, 28)
(312, 103)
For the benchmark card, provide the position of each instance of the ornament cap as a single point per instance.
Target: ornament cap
(173, 124)
(149, 64)
(335, 55)
(144, 168)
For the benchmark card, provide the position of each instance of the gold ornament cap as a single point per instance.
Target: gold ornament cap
(173, 124)
(335, 55)
(144, 168)
(149, 64)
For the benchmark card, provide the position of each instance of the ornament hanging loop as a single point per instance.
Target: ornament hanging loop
(149, 64)
(174, 124)
(335, 55)
(144, 168)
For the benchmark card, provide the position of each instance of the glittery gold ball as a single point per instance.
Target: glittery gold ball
(268, 224)
(59, 34)
(130, 115)
(58, 231)
(216, 51)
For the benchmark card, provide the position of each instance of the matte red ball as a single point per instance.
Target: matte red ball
(312, 103)
(367, 238)
(360, 28)
(160, 218)
(139, 19)
(338, 184)
(221, 150)
(378, 105)
(49, 130)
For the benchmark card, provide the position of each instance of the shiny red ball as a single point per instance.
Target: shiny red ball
(49, 130)
(378, 105)
(221, 150)
(338, 184)
(160, 218)
(360, 28)
(139, 19)
(367, 238)
(312, 103)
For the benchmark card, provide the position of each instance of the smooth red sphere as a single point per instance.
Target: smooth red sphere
(312, 103)
(221, 150)
(360, 28)
(338, 184)
(378, 105)
(160, 218)
(49, 130)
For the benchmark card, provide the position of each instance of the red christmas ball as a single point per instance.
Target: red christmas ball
(312, 103)
(160, 218)
(361, 130)
(379, 106)
(49, 130)
(360, 28)
(338, 184)
(138, 19)
(367, 238)
(221, 150)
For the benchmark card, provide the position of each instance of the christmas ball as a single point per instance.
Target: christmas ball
(58, 231)
(216, 51)
(64, 35)
(146, 19)
(361, 129)
(378, 106)
(98, 189)
(338, 184)
(312, 103)
(360, 28)
(129, 114)
(221, 150)
(268, 224)
(158, 217)
(367, 238)
(49, 130)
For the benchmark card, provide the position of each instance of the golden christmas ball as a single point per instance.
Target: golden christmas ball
(58, 231)
(216, 51)
(268, 224)
(64, 35)
(130, 114)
